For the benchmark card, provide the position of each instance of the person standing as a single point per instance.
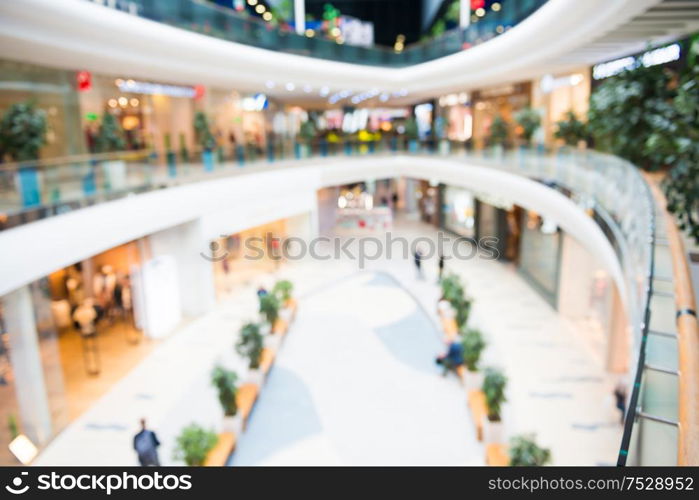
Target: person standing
(620, 399)
(146, 445)
(441, 266)
(418, 263)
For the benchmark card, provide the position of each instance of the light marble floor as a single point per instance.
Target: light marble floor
(356, 369)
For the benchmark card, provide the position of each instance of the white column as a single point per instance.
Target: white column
(300, 16)
(464, 13)
(25, 357)
(189, 247)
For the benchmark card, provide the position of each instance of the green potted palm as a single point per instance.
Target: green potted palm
(110, 139)
(193, 444)
(206, 140)
(493, 388)
(571, 131)
(529, 121)
(498, 134)
(22, 135)
(307, 133)
(250, 346)
(284, 289)
(225, 382)
(170, 156)
(184, 152)
(412, 134)
(473, 345)
(269, 309)
(525, 452)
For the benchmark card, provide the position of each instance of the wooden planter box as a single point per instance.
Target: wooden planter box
(219, 454)
(496, 454)
(479, 411)
(266, 360)
(246, 397)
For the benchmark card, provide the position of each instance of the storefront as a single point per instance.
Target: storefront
(456, 117)
(540, 254)
(458, 211)
(504, 101)
(555, 95)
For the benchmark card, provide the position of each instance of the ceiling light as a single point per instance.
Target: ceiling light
(261, 8)
(112, 103)
(496, 6)
(307, 89)
(269, 84)
(252, 2)
(267, 16)
(324, 91)
(290, 86)
(480, 12)
(310, 33)
(123, 101)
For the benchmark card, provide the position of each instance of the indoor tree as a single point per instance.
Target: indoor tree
(283, 289)
(524, 452)
(570, 129)
(473, 345)
(110, 137)
(529, 121)
(627, 109)
(193, 444)
(269, 307)
(494, 389)
(202, 131)
(22, 132)
(499, 132)
(251, 344)
(225, 383)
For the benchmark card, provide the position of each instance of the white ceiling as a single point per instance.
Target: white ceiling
(563, 34)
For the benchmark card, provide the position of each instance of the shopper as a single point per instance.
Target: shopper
(620, 397)
(418, 263)
(261, 291)
(452, 359)
(441, 266)
(85, 315)
(146, 445)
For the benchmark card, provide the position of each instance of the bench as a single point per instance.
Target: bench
(219, 454)
(246, 397)
(266, 360)
(479, 411)
(496, 455)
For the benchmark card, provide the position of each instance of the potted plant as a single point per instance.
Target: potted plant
(307, 133)
(498, 135)
(571, 131)
(529, 121)
(170, 157)
(524, 452)
(110, 139)
(206, 140)
(225, 383)
(269, 309)
(494, 390)
(193, 444)
(283, 289)
(22, 135)
(250, 346)
(473, 345)
(184, 152)
(412, 134)
(441, 135)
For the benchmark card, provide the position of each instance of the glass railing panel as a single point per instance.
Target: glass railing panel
(660, 395)
(658, 444)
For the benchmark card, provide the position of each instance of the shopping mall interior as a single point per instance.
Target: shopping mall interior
(335, 232)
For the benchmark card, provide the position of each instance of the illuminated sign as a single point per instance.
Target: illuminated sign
(84, 80)
(549, 83)
(258, 102)
(653, 57)
(151, 88)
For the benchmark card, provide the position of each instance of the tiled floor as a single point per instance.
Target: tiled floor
(556, 387)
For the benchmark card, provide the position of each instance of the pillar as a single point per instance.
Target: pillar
(25, 357)
(300, 16)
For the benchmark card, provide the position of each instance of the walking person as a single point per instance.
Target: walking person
(418, 263)
(620, 399)
(146, 445)
(441, 266)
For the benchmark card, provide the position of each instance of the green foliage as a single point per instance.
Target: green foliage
(494, 389)
(631, 115)
(184, 152)
(168, 142)
(530, 120)
(110, 137)
(283, 289)
(225, 382)
(499, 132)
(269, 307)
(250, 344)
(12, 426)
(682, 183)
(307, 131)
(524, 452)
(22, 132)
(193, 444)
(473, 344)
(454, 292)
(571, 130)
(438, 28)
(202, 131)
(411, 130)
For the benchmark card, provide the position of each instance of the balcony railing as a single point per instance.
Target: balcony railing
(228, 25)
(609, 188)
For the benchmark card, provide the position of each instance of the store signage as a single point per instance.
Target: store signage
(549, 83)
(453, 99)
(151, 88)
(84, 81)
(653, 57)
(258, 102)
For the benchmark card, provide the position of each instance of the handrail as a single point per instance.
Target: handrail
(227, 24)
(688, 337)
(82, 158)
